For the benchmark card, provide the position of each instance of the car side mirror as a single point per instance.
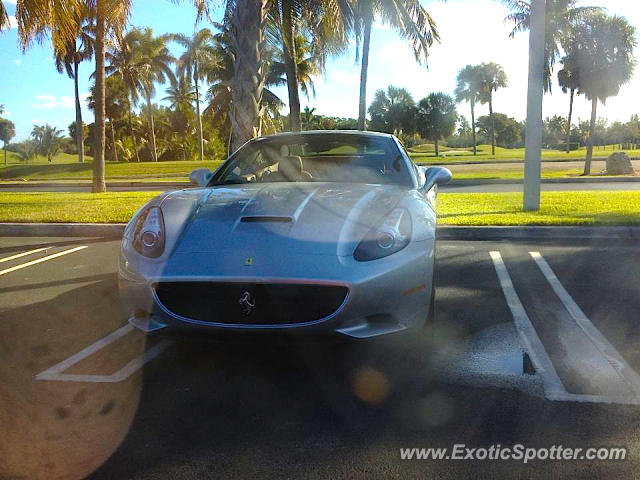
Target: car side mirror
(200, 177)
(436, 176)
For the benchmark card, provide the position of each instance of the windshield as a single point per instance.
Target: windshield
(327, 157)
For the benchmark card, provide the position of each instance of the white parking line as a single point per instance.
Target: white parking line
(530, 340)
(626, 372)
(55, 372)
(40, 260)
(23, 254)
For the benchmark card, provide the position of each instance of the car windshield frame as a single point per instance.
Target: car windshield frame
(395, 158)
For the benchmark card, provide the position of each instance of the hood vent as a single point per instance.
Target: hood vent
(266, 219)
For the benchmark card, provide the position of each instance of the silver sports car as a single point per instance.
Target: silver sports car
(319, 232)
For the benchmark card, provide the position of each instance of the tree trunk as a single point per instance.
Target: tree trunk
(135, 140)
(5, 154)
(473, 127)
(199, 119)
(493, 127)
(592, 131)
(113, 141)
(437, 151)
(569, 120)
(246, 37)
(99, 184)
(152, 132)
(291, 67)
(362, 106)
(79, 127)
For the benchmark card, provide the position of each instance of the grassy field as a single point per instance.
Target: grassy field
(426, 153)
(558, 208)
(83, 171)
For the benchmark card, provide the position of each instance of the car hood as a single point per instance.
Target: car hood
(285, 218)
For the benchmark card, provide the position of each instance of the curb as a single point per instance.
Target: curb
(537, 233)
(445, 232)
(102, 230)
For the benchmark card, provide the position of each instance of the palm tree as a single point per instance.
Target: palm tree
(307, 65)
(68, 59)
(155, 62)
(392, 111)
(47, 139)
(468, 90)
(326, 22)
(604, 52)
(560, 16)
(4, 18)
(7, 132)
(408, 18)
(181, 94)
(307, 116)
(125, 64)
(569, 81)
(199, 57)
(37, 18)
(491, 78)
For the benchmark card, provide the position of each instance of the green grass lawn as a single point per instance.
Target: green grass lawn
(83, 171)
(426, 154)
(558, 208)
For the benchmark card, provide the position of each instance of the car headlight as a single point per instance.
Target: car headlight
(148, 235)
(391, 236)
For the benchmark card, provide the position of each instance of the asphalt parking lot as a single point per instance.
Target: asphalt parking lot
(83, 392)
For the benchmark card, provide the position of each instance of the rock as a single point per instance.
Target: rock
(619, 163)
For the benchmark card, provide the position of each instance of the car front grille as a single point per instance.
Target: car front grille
(250, 304)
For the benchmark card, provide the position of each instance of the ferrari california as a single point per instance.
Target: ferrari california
(319, 232)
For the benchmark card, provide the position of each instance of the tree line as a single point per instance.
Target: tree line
(260, 44)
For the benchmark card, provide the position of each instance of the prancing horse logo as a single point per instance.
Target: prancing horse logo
(247, 302)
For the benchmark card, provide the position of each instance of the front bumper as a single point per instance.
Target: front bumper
(384, 296)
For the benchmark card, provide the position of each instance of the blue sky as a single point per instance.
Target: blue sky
(472, 31)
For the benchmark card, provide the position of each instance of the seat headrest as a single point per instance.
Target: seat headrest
(291, 164)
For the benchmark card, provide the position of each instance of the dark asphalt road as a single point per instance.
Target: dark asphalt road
(493, 187)
(247, 409)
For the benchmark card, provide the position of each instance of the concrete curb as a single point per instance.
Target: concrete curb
(103, 230)
(445, 232)
(537, 233)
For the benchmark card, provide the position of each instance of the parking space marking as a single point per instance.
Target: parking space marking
(626, 372)
(56, 372)
(531, 342)
(40, 260)
(23, 254)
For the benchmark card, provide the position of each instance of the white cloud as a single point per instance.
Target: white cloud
(7, 113)
(13, 23)
(51, 101)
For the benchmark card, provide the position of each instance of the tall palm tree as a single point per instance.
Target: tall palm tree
(37, 18)
(491, 78)
(326, 22)
(468, 90)
(604, 51)
(124, 62)
(560, 16)
(408, 18)
(68, 56)
(155, 62)
(569, 81)
(199, 57)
